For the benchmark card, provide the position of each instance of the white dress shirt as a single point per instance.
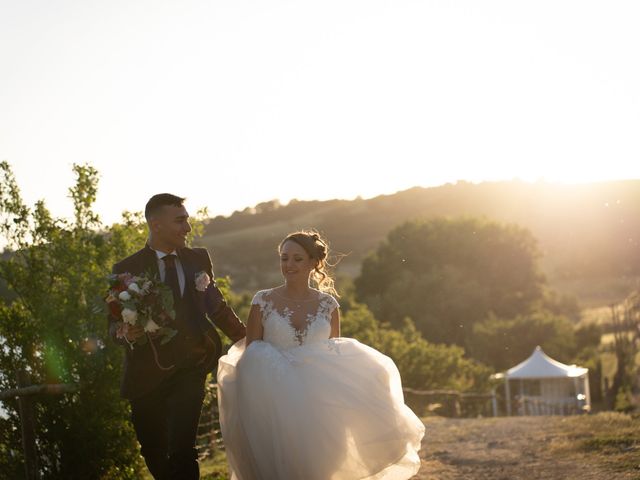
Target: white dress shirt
(179, 270)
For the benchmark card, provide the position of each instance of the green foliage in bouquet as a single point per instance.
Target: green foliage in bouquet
(140, 300)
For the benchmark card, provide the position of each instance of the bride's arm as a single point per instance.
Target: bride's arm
(335, 324)
(254, 325)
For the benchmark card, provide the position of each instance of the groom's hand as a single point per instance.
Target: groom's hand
(134, 332)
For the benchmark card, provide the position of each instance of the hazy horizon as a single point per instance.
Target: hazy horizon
(235, 103)
(193, 208)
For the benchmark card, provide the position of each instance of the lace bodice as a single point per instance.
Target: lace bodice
(287, 324)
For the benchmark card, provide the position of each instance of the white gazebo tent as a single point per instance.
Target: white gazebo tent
(544, 386)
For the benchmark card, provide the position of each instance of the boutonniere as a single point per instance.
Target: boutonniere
(202, 281)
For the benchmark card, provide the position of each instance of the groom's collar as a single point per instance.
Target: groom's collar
(154, 256)
(160, 254)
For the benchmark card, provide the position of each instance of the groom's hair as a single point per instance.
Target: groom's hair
(157, 202)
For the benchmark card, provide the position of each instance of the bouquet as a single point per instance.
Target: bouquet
(141, 300)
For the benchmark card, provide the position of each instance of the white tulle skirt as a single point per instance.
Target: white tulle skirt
(329, 410)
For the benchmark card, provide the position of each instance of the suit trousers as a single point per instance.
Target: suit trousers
(166, 424)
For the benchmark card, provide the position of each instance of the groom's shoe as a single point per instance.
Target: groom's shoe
(184, 465)
(157, 464)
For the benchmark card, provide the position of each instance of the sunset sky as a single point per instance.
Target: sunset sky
(231, 103)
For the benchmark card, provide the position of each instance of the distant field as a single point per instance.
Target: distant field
(596, 292)
(600, 315)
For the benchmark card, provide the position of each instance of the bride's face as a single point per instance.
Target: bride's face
(295, 262)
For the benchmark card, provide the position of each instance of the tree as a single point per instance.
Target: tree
(54, 271)
(625, 320)
(422, 365)
(447, 275)
(50, 332)
(503, 343)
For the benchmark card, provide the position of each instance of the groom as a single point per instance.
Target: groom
(166, 387)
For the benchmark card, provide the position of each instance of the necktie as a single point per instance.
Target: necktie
(171, 275)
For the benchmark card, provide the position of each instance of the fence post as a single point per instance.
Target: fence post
(25, 409)
(494, 402)
(457, 407)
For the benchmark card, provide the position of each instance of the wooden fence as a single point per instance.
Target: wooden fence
(26, 395)
(450, 403)
(209, 438)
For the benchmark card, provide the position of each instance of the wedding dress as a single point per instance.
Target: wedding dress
(298, 405)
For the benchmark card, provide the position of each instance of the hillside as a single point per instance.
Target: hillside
(589, 235)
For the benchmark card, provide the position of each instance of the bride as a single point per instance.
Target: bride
(297, 401)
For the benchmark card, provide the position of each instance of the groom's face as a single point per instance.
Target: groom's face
(171, 226)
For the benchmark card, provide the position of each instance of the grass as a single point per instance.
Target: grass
(611, 438)
(214, 468)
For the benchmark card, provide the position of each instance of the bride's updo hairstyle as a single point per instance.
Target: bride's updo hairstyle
(317, 248)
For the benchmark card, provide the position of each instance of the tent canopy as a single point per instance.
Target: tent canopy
(539, 365)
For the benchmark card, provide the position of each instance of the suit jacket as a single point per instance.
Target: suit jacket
(208, 308)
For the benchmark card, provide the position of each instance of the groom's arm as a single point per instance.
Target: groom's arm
(220, 313)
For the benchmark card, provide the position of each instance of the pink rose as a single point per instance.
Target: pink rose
(202, 281)
(122, 330)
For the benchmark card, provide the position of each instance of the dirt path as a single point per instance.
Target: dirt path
(513, 448)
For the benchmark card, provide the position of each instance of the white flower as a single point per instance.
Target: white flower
(202, 281)
(129, 316)
(133, 287)
(146, 287)
(124, 296)
(151, 326)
